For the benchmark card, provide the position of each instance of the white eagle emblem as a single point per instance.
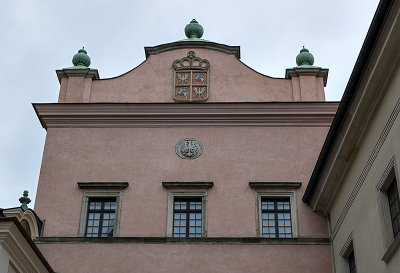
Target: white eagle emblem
(199, 92)
(184, 78)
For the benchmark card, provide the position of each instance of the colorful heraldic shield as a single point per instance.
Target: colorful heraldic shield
(191, 79)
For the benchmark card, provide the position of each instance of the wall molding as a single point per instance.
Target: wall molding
(122, 115)
(169, 240)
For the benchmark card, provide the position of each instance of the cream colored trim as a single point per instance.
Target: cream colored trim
(100, 193)
(21, 254)
(25, 215)
(260, 193)
(172, 193)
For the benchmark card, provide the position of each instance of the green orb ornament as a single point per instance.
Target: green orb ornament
(304, 57)
(194, 30)
(81, 58)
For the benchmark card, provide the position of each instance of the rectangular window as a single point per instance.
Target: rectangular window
(348, 262)
(101, 208)
(100, 218)
(187, 209)
(187, 218)
(276, 213)
(276, 218)
(394, 205)
(352, 262)
(389, 209)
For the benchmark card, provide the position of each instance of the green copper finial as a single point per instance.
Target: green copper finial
(304, 58)
(81, 58)
(25, 200)
(194, 30)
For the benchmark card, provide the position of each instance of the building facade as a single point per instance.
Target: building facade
(356, 179)
(191, 162)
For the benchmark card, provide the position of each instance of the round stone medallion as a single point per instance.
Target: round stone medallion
(189, 148)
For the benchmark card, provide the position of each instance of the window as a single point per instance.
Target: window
(187, 217)
(389, 210)
(276, 214)
(100, 219)
(394, 206)
(352, 262)
(187, 209)
(348, 261)
(101, 208)
(276, 220)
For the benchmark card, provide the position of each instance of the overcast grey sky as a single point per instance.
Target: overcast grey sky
(39, 36)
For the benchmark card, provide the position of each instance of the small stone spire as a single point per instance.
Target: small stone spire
(25, 200)
(194, 30)
(81, 58)
(304, 58)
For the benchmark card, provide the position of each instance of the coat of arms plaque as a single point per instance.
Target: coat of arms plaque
(191, 79)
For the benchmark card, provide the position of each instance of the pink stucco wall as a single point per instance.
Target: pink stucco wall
(185, 258)
(233, 156)
(145, 157)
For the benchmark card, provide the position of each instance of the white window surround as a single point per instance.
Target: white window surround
(101, 190)
(276, 190)
(391, 243)
(187, 189)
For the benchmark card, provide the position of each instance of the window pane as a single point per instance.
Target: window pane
(276, 212)
(394, 205)
(187, 212)
(100, 220)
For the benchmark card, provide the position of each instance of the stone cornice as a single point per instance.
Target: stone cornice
(235, 50)
(125, 115)
(77, 72)
(307, 71)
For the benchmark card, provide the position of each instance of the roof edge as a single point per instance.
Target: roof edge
(234, 50)
(367, 49)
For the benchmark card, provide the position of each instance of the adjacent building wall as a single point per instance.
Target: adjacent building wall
(364, 217)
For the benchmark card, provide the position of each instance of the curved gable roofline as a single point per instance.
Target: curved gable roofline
(235, 50)
(247, 66)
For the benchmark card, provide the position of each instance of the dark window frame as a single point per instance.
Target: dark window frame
(101, 211)
(352, 262)
(187, 212)
(394, 206)
(276, 211)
